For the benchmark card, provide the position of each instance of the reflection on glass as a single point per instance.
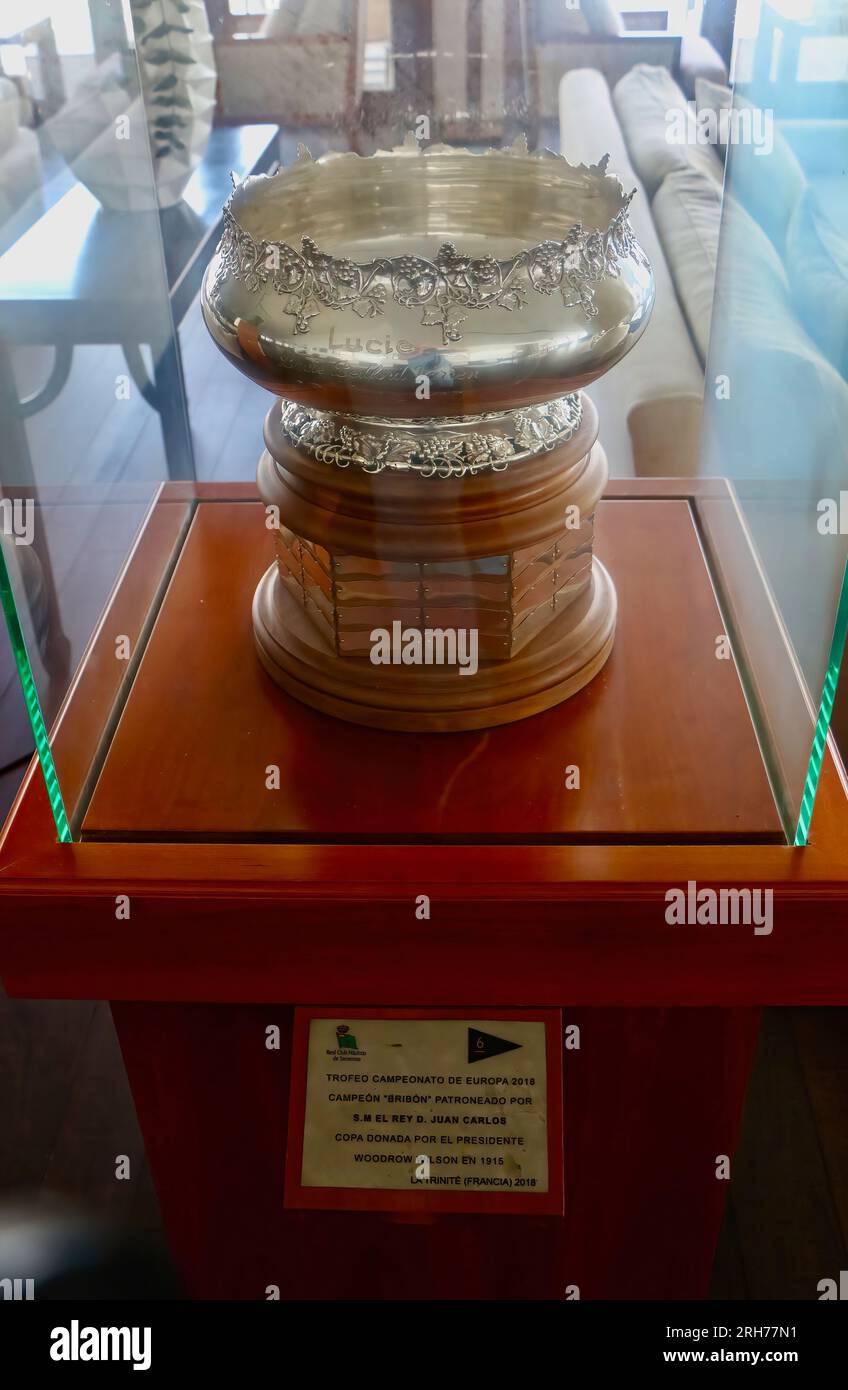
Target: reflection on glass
(777, 380)
(120, 126)
(91, 401)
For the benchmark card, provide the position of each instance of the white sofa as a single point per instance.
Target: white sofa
(780, 333)
(650, 404)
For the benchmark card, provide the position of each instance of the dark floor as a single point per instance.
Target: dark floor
(786, 1224)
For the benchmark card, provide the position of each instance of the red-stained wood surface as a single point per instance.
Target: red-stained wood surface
(662, 736)
(528, 923)
(650, 1101)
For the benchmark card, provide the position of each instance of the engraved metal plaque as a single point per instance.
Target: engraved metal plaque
(398, 1110)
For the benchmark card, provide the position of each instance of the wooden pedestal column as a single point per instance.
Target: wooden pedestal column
(506, 555)
(649, 1100)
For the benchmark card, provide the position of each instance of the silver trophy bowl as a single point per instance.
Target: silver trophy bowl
(505, 279)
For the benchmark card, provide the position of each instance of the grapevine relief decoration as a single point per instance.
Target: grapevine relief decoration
(446, 288)
(439, 453)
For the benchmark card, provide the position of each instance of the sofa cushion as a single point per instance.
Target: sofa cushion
(821, 145)
(753, 284)
(817, 260)
(831, 191)
(687, 213)
(763, 171)
(716, 97)
(653, 112)
(664, 365)
(769, 184)
(786, 404)
(665, 436)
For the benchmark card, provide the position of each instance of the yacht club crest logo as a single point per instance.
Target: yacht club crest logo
(346, 1044)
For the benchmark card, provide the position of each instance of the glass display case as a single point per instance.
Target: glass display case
(423, 559)
(445, 289)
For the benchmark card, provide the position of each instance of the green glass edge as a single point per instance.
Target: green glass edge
(33, 704)
(834, 661)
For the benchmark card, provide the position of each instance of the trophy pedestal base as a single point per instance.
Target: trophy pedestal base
(558, 662)
(662, 737)
(408, 601)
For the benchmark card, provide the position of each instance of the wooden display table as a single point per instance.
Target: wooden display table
(247, 899)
